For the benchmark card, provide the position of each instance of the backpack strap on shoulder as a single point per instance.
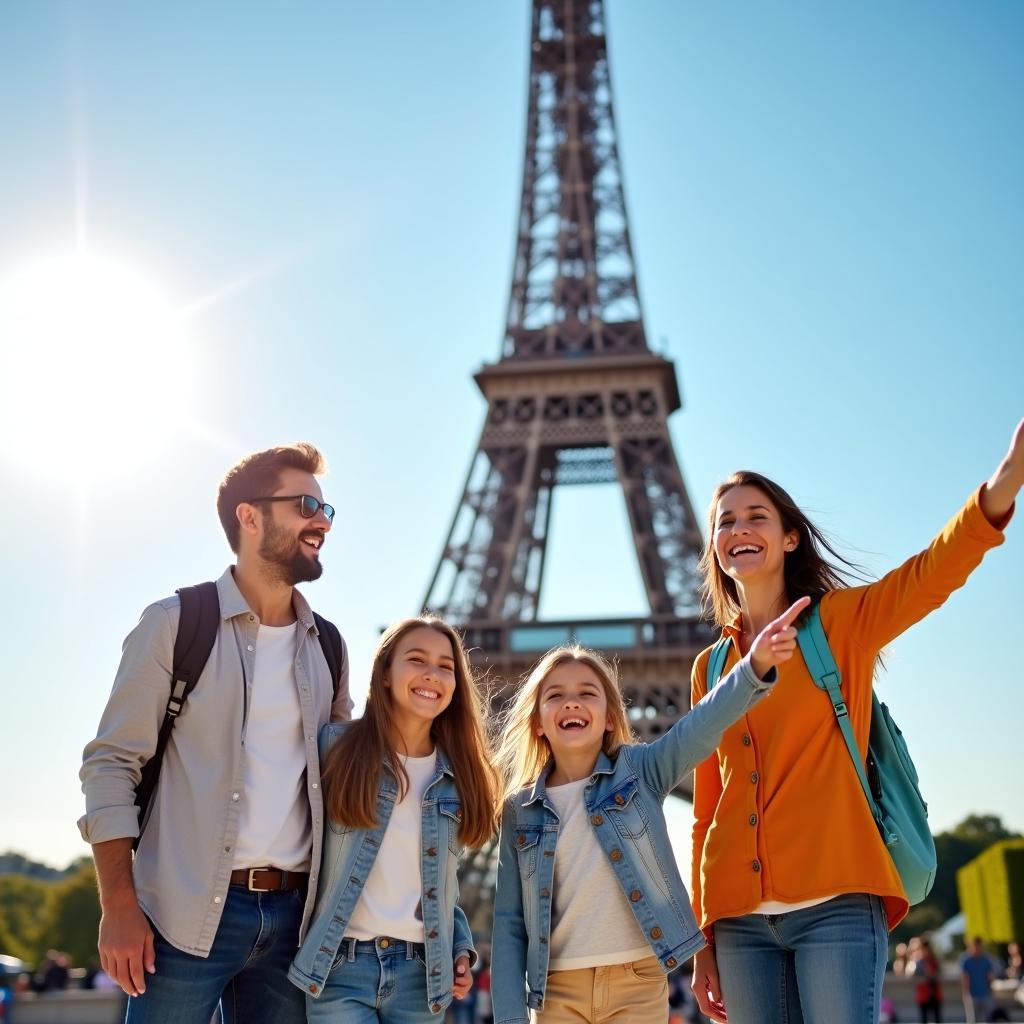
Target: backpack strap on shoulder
(330, 641)
(716, 662)
(197, 631)
(817, 655)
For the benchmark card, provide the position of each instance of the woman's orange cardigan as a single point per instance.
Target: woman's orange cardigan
(779, 812)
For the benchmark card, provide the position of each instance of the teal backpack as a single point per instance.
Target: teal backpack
(890, 781)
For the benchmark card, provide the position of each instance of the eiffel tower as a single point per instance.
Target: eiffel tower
(577, 397)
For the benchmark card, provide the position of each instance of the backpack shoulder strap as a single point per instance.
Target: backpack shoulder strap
(330, 641)
(716, 662)
(197, 631)
(817, 655)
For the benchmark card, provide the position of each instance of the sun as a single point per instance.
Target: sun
(94, 367)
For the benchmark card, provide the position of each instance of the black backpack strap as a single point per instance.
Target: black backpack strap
(330, 641)
(197, 632)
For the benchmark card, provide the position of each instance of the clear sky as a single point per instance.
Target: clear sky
(827, 210)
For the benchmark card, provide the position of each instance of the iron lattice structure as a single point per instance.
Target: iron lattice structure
(576, 397)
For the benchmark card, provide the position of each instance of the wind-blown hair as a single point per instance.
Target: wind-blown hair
(352, 767)
(522, 754)
(811, 569)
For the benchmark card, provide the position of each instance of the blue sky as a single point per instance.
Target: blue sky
(827, 213)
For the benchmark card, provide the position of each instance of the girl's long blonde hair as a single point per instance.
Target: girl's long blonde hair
(352, 767)
(522, 754)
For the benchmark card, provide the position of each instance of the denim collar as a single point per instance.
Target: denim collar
(539, 791)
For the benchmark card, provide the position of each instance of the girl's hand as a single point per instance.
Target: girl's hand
(777, 641)
(463, 978)
(706, 989)
(1001, 490)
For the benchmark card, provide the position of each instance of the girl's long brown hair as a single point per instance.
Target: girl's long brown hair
(352, 767)
(811, 569)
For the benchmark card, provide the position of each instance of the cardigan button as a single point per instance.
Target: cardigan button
(754, 777)
(752, 819)
(757, 865)
(746, 740)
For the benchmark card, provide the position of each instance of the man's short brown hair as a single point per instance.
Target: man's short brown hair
(258, 476)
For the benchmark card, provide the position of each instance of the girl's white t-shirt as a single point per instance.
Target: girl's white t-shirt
(390, 901)
(591, 922)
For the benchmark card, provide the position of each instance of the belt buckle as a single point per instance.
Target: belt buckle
(252, 885)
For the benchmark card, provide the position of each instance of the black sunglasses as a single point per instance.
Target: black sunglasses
(308, 505)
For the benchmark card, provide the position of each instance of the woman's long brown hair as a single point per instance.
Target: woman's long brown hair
(352, 767)
(812, 569)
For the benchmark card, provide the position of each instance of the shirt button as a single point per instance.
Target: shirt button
(754, 777)
(752, 819)
(249, 647)
(616, 854)
(216, 899)
(597, 819)
(234, 797)
(757, 865)
(655, 932)
(746, 740)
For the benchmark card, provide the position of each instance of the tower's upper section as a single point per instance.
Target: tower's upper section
(574, 290)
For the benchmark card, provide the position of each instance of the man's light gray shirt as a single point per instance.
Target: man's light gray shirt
(183, 863)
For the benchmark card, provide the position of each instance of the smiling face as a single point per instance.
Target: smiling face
(289, 543)
(572, 709)
(750, 541)
(420, 677)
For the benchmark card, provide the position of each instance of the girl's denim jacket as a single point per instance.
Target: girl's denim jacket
(624, 804)
(348, 856)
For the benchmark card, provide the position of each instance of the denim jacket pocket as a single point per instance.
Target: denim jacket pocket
(527, 843)
(450, 810)
(626, 811)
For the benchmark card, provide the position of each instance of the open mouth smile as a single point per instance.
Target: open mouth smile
(744, 549)
(314, 542)
(573, 722)
(426, 694)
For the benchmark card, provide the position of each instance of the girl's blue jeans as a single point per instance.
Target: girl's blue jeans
(824, 963)
(378, 980)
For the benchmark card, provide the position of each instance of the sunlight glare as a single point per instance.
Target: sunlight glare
(93, 367)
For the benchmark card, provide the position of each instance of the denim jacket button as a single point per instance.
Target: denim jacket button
(620, 799)
(597, 819)
(431, 852)
(433, 934)
(670, 962)
(520, 840)
(314, 989)
(435, 1007)
(656, 932)
(635, 895)
(616, 854)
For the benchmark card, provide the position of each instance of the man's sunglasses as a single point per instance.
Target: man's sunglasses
(308, 505)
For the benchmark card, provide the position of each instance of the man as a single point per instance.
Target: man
(221, 887)
(976, 973)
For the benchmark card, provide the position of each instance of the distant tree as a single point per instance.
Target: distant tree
(23, 908)
(73, 921)
(983, 828)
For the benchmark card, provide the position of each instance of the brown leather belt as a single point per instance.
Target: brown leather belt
(269, 879)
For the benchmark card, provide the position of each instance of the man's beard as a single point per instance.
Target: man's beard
(286, 558)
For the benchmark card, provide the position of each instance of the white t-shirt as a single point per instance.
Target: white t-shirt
(274, 830)
(589, 927)
(390, 902)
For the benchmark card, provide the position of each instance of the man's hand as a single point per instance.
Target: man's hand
(463, 978)
(777, 641)
(126, 946)
(706, 989)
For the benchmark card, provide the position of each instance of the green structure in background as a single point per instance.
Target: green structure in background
(991, 891)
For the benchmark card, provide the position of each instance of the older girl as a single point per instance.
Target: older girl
(590, 912)
(792, 883)
(407, 786)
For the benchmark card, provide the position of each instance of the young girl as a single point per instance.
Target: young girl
(792, 883)
(407, 786)
(590, 912)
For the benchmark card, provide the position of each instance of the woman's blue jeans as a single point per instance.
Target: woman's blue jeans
(822, 964)
(378, 980)
(246, 971)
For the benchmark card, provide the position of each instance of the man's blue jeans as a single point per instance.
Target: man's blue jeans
(822, 964)
(377, 981)
(247, 968)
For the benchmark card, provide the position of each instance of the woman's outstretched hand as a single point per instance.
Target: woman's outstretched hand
(1000, 492)
(777, 641)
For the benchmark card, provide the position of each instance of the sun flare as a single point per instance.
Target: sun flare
(94, 367)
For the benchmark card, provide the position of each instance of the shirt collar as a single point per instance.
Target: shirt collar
(232, 602)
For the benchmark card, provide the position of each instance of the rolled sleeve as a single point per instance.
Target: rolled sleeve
(112, 762)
